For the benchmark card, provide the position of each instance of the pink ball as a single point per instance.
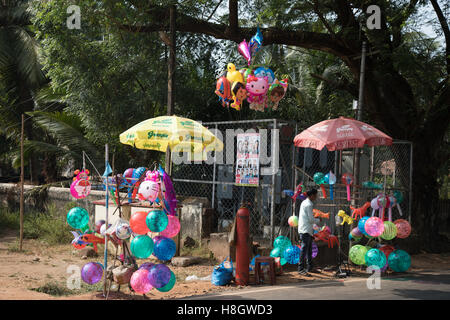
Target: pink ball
(172, 228)
(139, 281)
(374, 227)
(403, 228)
(128, 174)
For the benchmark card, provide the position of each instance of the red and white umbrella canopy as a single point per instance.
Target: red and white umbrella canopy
(341, 133)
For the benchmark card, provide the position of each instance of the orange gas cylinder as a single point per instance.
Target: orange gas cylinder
(242, 249)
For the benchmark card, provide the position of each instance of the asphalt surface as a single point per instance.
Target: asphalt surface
(424, 285)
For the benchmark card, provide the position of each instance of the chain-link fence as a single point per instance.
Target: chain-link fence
(388, 168)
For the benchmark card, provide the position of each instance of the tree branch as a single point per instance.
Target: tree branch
(445, 29)
(233, 16)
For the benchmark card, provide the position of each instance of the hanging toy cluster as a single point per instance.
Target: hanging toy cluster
(258, 85)
(80, 187)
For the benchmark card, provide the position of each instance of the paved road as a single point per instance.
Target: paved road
(423, 285)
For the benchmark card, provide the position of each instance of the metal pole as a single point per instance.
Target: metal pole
(272, 196)
(360, 108)
(410, 182)
(105, 264)
(21, 184)
(214, 179)
(170, 81)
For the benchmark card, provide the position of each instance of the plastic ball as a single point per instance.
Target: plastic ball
(356, 233)
(374, 227)
(140, 281)
(157, 220)
(159, 275)
(292, 254)
(129, 174)
(319, 178)
(357, 254)
(399, 261)
(173, 227)
(170, 284)
(353, 238)
(403, 228)
(141, 246)
(390, 231)
(164, 249)
(278, 253)
(123, 231)
(387, 250)
(98, 225)
(293, 221)
(78, 218)
(375, 257)
(137, 173)
(147, 265)
(137, 222)
(361, 224)
(281, 242)
(103, 229)
(92, 272)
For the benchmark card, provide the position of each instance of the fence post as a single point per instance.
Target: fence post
(272, 196)
(410, 180)
(214, 179)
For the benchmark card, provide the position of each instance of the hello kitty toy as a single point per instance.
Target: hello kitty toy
(149, 188)
(257, 89)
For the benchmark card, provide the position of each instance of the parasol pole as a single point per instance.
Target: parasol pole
(105, 264)
(22, 204)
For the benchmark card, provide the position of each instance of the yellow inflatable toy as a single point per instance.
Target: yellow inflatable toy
(234, 75)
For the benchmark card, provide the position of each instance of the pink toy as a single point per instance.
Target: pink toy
(257, 89)
(80, 187)
(374, 227)
(173, 227)
(347, 179)
(403, 228)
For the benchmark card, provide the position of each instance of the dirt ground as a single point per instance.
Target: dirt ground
(39, 264)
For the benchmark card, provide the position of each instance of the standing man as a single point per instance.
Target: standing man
(305, 229)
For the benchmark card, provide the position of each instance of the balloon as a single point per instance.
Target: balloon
(278, 252)
(234, 75)
(361, 224)
(149, 190)
(173, 227)
(356, 233)
(399, 261)
(293, 221)
(353, 238)
(159, 275)
(146, 265)
(239, 94)
(330, 179)
(223, 90)
(357, 254)
(129, 174)
(257, 89)
(281, 242)
(98, 225)
(403, 228)
(170, 284)
(277, 91)
(390, 231)
(140, 282)
(142, 246)
(244, 50)
(80, 188)
(164, 249)
(347, 179)
(256, 42)
(292, 254)
(78, 218)
(374, 205)
(92, 272)
(375, 257)
(374, 227)
(157, 220)
(123, 231)
(387, 250)
(138, 222)
(137, 173)
(319, 178)
(262, 72)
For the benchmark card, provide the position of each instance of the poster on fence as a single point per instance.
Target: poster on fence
(247, 159)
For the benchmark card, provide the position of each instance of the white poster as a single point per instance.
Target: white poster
(247, 159)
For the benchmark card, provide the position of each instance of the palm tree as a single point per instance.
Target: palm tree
(21, 74)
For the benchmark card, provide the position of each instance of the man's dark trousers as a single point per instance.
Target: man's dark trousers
(306, 252)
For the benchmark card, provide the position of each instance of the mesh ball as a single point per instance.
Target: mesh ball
(164, 249)
(157, 220)
(159, 275)
(292, 254)
(375, 257)
(361, 224)
(374, 227)
(140, 282)
(141, 246)
(390, 231)
(278, 253)
(170, 284)
(357, 254)
(399, 261)
(403, 228)
(92, 272)
(281, 242)
(78, 218)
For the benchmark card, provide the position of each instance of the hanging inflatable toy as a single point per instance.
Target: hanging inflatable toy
(262, 72)
(80, 187)
(239, 93)
(223, 91)
(256, 42)
(257, 89)
(277, 91)
(234, 75)
(244, 50)
(347, 179)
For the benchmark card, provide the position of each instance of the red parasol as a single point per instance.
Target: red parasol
(341, 133)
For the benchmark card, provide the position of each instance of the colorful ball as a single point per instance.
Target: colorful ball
(170, 284)
(374, 227)
(92, 272)
(281, 242)
(157, 220)
(138, 222)
(278, 253)
(293, 221)
(319, 178)
(353, 238)
(390, 231)
(375, 257)
(146, 265)
(173, 227)
(141, 246)
(403, 228)
(78, 218)
(123, 231)
(159, 275)
(164, 249)
(140, 281)
(129, 174)
(399, 261)
(137, 173)
(357, 254)
(387, 250)
(361, 224)
(98, 225)
(356, 233)
(292, 254)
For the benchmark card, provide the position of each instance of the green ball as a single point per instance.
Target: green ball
(78, 218)
(170, 284)
(357, 254)
(141, 246)
(278, 253)
(399, 261)
(157, 220)
(319, 178)
(282, 242)
(390, 231)
(375, 257)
